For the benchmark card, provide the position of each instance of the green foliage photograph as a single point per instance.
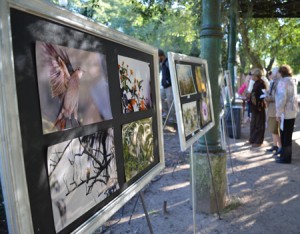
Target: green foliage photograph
(137, 140)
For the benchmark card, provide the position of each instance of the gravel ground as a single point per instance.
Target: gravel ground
(263, 196)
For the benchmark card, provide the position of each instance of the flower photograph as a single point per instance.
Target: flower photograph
(135, 87)
(205, 112)
(201, 79)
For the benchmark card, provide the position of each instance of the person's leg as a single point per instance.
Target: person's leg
(169, 97)
(274, 146)
(249, 109)
(286, 140)
(260, 127)
(164, 104)
(273, 128)
(288, 135)
(252, 129)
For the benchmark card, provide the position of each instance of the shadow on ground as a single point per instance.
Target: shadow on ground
(264, 196)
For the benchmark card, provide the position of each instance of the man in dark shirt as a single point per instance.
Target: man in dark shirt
(165, 72)
(167, 95)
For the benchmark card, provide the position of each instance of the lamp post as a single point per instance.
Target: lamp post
(210, 38)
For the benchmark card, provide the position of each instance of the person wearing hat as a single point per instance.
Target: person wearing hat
(258, 117)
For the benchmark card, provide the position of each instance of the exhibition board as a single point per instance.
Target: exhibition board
(192, 97)
(80, 107)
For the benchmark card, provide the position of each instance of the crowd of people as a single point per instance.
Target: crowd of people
(272, 103)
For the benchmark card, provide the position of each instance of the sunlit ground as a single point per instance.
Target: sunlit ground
(263, 189)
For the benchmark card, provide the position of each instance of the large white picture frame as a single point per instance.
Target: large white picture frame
(20, 198)
(194, 111)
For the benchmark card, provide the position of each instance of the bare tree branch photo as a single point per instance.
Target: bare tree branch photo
(82, 172)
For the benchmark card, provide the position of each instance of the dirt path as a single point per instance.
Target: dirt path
(264, 195)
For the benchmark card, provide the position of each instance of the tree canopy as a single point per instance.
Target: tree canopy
(174, 25)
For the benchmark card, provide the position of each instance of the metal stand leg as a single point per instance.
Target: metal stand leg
(193, 190)
(177, 163)
(141, 195)
(233, 123)
(146, 212)
(212, 178)
(228, 145)
(168, 114)
(133, 209)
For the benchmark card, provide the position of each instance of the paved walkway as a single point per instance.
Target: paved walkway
(264, 195)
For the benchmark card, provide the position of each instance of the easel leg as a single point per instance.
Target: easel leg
(233, 124)
(212, 178)
(146, 212)
(133, 209)
(193, 189)
(168, 114)
(228, 145)
(178, 161)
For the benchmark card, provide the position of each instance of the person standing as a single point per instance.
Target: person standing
(273, 125)
(258, 114)
(166, 83)
(286, 111)
(250, 83)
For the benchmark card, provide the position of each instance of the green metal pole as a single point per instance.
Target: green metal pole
(210, 39)
(232, 43)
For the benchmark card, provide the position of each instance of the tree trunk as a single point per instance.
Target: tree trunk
(253, 58)
(269, 67)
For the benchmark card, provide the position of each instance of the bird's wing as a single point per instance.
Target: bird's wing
(60, 69)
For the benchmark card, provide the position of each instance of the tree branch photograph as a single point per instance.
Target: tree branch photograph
(82, 173)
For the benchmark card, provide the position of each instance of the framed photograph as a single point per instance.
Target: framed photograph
(190, 118)
(73, 87)
(137, 140)
(134, 84)
(193, 103)
(68, 156)
(201, 79)
(186, 83)
(82, 172)
(205, 112)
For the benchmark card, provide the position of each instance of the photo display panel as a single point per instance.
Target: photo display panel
(192, 97)
(91, 136)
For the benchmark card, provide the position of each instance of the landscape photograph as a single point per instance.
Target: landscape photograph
(190, 118)
(185, 80)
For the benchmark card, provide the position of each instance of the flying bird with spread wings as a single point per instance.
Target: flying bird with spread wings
(64, 83)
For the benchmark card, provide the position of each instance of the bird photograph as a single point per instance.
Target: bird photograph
(72, 86)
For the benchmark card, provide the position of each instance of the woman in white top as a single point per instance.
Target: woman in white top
(286, 111)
